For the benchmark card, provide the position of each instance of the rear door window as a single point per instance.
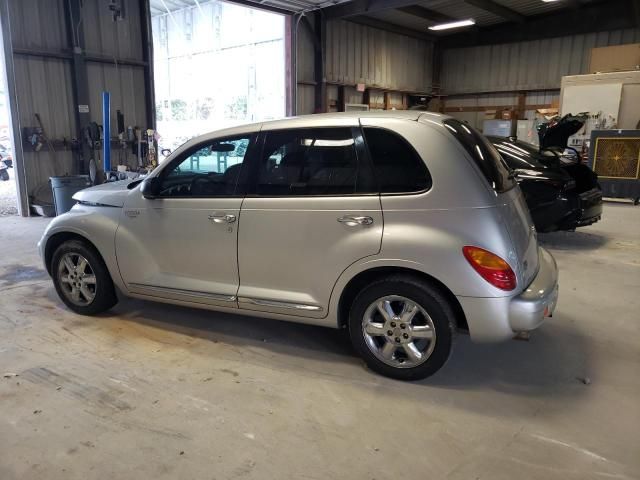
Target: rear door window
(397, 165)
(484, 154)
(313, 161)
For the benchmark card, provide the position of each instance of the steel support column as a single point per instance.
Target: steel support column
(147, 55)
(80, 81)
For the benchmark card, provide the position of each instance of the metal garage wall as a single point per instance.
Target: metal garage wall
(43, 75)
(535, 66)
(44, 87)
(361, 54)
(120, 39)
(526, 65)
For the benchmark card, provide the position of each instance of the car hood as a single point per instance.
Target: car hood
(112, 194)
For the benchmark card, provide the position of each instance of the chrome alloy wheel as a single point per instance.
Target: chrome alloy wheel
(77, 279)
(398, 331)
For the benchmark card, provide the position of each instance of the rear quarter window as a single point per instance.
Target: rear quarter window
(398, 167)
(484, 154)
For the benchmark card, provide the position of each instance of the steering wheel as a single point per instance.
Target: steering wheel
(196, 180)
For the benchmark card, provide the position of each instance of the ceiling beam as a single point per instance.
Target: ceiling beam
(497, 9)
(362, 7)
(595, 17)
(426, 14)
(390, 27)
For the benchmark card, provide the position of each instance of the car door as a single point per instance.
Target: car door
(313, 211)
(183, 244)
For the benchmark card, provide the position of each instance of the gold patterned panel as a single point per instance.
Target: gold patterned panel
(617, 157)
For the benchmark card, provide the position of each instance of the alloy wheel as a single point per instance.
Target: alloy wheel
(77, 279)
(398, 331)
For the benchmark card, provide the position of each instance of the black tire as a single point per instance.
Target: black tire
(4, 175)
(105, 295)
(425, 296)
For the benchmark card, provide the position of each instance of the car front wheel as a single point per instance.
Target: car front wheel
(402, 327)
(81, 278)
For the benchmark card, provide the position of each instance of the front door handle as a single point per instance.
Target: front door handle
(222, 218)
(352, 221)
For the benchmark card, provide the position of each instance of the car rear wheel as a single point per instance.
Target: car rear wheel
(402, 327)
(81, 278)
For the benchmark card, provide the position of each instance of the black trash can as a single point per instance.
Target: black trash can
(64, 188)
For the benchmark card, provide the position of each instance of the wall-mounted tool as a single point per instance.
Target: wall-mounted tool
(33, 136)
(46, 139)
(116, 7)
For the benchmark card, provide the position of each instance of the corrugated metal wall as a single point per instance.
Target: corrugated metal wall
(524, 65)
(44, 85)
(539, 64)
(361, 54)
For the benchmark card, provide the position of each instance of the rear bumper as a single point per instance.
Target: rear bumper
(590, 207)
(569, 211)
(498, 319)
(528, 310)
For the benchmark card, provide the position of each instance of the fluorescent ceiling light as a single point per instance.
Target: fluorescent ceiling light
(457, 24)
(549, 1)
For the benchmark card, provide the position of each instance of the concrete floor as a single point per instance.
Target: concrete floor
(154, 391)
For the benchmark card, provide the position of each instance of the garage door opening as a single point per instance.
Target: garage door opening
(216, 65)
(8, 191)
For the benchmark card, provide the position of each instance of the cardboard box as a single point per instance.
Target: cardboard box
(618, 58)
(490, 114)
(508, 114)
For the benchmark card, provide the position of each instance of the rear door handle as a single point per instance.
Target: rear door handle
(353, 221)
(222, 218)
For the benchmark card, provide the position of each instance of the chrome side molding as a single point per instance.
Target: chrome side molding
(278, 304)
(154, 290)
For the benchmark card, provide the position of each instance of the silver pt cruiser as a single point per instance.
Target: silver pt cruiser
(403, 227)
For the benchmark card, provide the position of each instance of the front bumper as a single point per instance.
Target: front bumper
(501, 318)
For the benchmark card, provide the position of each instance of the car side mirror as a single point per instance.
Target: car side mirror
(150, 187)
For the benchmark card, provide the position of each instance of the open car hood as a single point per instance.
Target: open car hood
(110, 194)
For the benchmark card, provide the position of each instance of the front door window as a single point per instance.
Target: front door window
(212, 169)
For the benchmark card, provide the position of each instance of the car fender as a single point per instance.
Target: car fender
(98, 224)
(365, 264)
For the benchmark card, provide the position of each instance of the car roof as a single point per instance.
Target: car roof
(334, 119)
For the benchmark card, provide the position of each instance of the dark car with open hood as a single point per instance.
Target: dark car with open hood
(561, 192)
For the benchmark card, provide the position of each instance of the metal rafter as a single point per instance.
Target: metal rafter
(426, 13)
(362, 7)
(595, 17)
(497, 9)
(389, 27)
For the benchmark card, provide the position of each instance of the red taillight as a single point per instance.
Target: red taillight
(491, 267)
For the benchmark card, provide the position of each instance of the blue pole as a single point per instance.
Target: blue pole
(106, 127)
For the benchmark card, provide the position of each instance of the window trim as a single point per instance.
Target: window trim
(408, 143)
(361, 154)
(248, 156)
